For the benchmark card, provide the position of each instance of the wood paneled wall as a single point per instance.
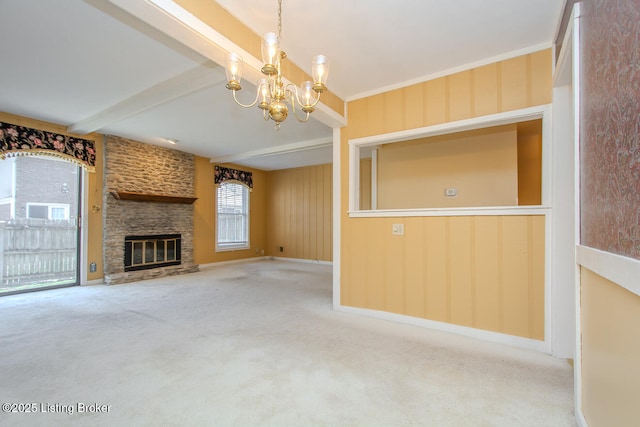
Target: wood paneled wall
(365, 184)
(530, 163)
(204, 215)
(299, 213)
(516, 83)
(485, 272)
(610, 316)
(482, 165)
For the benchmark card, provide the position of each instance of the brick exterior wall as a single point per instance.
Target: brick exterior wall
(59, 185)
(142, 168)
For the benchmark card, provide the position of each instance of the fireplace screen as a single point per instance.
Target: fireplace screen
(144, 252)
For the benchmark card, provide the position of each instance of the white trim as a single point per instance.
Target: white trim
(200, 77)
(515, 116)
(336, 241)
(171, 19)
(621, 270)
(302, 260)
(50, 206)
(562, 224)
(93, 282)
(374, 179)
(562, 75)
(559, 23)
(354, 178)
(210, 265)
(474, 211)
(565, 218)
(573, 28)
(449, 71)
(274, 151)
(498, 119)
(567, 75)
(230, 247)
(495, 337)
(547, 157)
(580, 419)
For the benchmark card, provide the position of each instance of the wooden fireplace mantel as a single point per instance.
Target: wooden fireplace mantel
(142, 197)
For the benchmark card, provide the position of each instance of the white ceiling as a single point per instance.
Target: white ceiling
(92, 66)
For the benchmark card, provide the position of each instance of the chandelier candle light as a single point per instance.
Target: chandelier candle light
(273, 95)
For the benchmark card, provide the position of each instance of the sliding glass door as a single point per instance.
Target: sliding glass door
(39, 217)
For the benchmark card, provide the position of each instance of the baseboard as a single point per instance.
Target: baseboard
(495, 337)
(261, 258)
(307, 261)
(233, 261)
(93, 282)
(580, 419)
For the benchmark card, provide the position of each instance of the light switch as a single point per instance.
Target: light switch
(397, 229)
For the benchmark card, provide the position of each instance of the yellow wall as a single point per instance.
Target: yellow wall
(610, 320)
(398, 268)
(520, 82)
(230, 27)
(204, 222)
(530, 163)
(481, 164)
(299, 213)
(307, 232)
(94, 190)
(485, 272)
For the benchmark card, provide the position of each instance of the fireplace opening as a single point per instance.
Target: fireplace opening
(145, 252)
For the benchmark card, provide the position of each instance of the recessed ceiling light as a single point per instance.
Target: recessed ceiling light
(172, 141)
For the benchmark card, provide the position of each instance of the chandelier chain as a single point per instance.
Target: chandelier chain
(280, 19)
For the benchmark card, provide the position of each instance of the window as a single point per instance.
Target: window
(494, 162)
(59, 212)
(232, 225)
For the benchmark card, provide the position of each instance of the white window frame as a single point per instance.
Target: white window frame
(538, 112)
(50, 207)
(222, 246)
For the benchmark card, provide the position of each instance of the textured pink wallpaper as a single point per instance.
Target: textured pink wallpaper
(610, 126)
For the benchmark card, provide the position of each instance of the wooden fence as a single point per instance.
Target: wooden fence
(37, 251)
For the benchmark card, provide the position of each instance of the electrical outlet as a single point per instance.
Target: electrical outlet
(93, 267)
(450, 192)
(397, 229)
(281, 248)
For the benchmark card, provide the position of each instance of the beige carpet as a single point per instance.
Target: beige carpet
(256, 344)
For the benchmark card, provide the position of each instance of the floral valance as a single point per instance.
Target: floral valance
(20, 140)
(223, 174)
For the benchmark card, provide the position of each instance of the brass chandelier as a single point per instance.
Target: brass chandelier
(274, 96)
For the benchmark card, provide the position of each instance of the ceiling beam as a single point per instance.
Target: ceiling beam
(183, 84)
(274, 151)
(174, 21)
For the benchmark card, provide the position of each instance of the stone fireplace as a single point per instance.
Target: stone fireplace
(146, 252)
(148, 211)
